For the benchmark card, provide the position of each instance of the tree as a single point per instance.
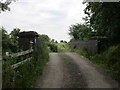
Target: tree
(53, 40)
(5, 40)
(56, 41)
(103, 17)
(15, 33)
(5, 5)
(61, 41)
(9, 44)
(65, 41)
(79, 31)
(44, 37)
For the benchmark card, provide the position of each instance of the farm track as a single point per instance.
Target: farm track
(70, 70)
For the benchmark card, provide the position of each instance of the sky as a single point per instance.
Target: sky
(50, 17)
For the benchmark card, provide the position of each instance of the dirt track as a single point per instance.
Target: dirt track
(73, 72)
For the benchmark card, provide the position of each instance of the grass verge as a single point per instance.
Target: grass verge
(25, 75)
(109, 60)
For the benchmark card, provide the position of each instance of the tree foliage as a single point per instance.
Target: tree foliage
(52, 40)
(104, 18)
(45, 37)
(15, 33)
(9, 44)
(26, 74)
(5, 5)
(79, 31)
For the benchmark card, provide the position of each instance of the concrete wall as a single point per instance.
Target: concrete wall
(90, 45)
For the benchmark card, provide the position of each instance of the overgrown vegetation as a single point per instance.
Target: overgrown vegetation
(103, 17)
(62, 47)
(109, 60)
(25, 75)
(101, 23)
(80, 32)
(82, 52)
(51, 43)
(9, 41)
(53, 47)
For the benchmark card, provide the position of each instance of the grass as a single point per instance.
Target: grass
(26, 74)
(109, 60)
(62, 47)
(83, 52)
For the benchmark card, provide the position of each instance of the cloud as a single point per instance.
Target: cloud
(51, 17)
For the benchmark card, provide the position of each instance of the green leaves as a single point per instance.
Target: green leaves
(5, 5)
(9, 43)
(15, 33)
(104, 18)
(80, 31)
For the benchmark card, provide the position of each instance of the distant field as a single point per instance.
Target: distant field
(62, 47)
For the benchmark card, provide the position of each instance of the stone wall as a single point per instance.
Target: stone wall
(89, 45)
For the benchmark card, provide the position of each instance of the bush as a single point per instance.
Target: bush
(113, 61)
(63, 47)
(53, 47)
(110, 60)
(84, 52)
(25, 75)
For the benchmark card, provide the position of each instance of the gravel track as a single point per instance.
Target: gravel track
(95, 77)
(70, 70)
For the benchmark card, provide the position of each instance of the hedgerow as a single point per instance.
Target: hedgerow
(25, 75)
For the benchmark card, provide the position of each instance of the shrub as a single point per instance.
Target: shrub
(113, 61)
(25, 75)
(53, 47)
(110, 60)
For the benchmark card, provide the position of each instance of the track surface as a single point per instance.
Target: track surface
(73, 72)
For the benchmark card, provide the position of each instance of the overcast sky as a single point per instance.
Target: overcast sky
(51, 17)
